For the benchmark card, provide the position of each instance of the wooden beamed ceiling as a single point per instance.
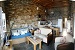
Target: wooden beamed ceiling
(52, 3)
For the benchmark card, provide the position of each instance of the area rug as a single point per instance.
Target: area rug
(25, 46)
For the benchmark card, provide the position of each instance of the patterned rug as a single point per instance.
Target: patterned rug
(25, 46)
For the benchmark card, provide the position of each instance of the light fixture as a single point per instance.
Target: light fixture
(45, 10)
(52, 12)
(2, 0)
(37, 8)
(72, 0)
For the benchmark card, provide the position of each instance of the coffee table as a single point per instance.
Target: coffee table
(34, 41)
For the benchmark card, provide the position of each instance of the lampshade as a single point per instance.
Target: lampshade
(64, 32)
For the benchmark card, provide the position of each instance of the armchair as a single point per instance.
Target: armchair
(61, 40)
(9, 46)
(57, 41)
(45, 35)
(66, 46)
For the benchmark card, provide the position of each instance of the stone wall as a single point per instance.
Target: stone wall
(23, 12)
(72, 18)
(57, 13)
(2, 5)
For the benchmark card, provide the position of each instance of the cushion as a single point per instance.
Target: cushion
(45, 31)
(63, 40)
(15, 33)
(21, 36)
(69, 38)
(66, 46)
(41, 36)
(36, 34)
(58, 39)
(23, 31)
(45, 40)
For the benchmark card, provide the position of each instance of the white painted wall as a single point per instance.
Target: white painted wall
(74, 25)
(60, 24)
(68, 25)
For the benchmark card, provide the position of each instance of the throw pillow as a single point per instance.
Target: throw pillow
(63, 40)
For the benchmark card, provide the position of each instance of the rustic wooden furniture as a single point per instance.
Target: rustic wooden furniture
(45, 34)
(8, 47)
(19, 40)
(34, 42)
(56, 29)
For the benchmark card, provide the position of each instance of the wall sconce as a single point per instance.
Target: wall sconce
(52, 12)
(45, 11)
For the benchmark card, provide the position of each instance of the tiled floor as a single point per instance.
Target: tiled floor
(25, 46)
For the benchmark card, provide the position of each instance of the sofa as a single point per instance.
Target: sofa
(45, 34)
(66, 46)
(18, 35)
(62, 40)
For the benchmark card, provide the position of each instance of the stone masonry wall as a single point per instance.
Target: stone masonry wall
(57, 13)
(2, 5)
(21, 12)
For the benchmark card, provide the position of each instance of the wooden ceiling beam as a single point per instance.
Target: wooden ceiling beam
(52, 3)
